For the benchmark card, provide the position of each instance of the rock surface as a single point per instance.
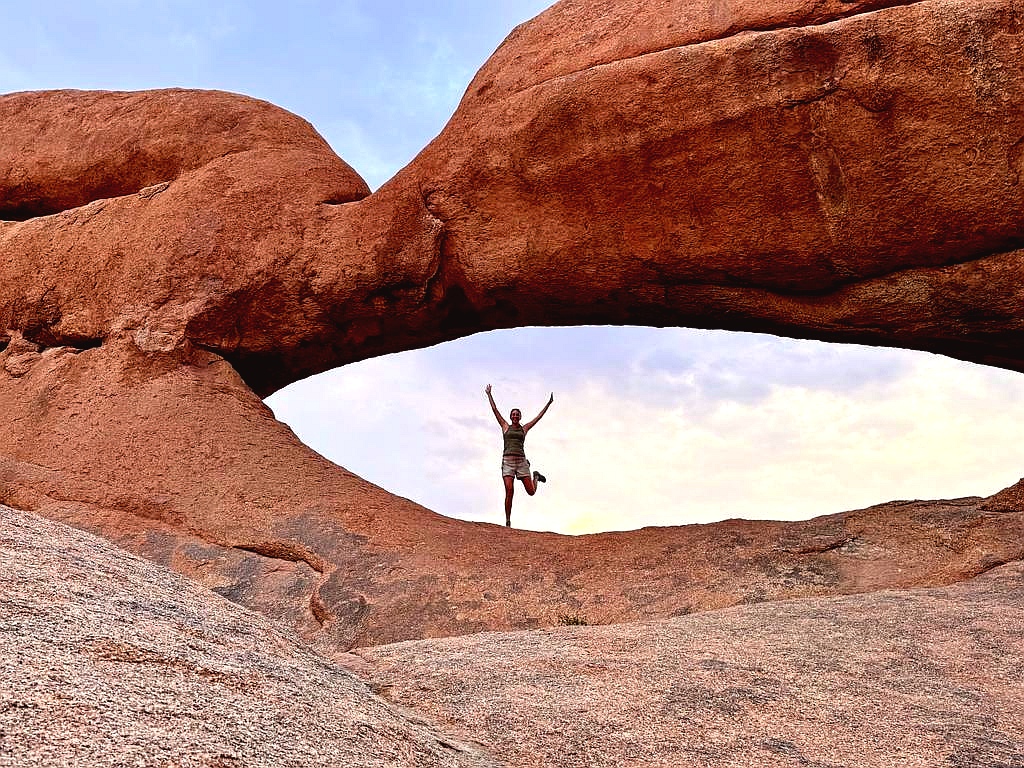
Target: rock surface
(844, 171)
(920, 679)
(836, 170)
(108, 660)
(349, 565)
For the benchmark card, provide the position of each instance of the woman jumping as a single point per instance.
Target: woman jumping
(513, 459)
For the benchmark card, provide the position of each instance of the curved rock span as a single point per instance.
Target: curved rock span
(848, 171)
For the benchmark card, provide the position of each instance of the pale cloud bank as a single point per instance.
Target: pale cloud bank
(729, 425)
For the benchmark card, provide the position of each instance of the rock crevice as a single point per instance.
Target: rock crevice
(746, 28)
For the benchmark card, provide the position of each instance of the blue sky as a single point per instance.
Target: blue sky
(377, 79)
(649, 426)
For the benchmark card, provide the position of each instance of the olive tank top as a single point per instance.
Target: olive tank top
(514, 439)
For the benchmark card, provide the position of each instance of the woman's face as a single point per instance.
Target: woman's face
(515, 415)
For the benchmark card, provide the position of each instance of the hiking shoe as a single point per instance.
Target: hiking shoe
(538, 477)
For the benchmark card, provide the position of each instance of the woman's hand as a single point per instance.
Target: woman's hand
(494, 409)
(529, 425)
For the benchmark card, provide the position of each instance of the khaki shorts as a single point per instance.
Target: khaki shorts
(515, 466)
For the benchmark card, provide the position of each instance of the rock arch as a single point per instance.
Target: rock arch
(834, 170)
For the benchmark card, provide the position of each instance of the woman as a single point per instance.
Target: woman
(513, 459)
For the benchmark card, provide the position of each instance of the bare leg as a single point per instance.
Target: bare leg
(529, 485)
(510, 488)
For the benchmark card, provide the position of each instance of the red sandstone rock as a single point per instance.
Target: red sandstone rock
(857, 180)
(745, 168)
(64, 149)
(826, 180)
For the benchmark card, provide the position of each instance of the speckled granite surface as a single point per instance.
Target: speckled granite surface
(109, 660)
(927, 678)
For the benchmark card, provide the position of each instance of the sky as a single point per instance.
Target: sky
(649, 426)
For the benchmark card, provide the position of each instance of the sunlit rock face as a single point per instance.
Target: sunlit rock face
(832, 170)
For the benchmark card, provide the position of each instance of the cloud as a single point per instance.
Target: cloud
(903, 425)
(11, 78)
(368, 158)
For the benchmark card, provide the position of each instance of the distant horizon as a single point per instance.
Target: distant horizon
(650, 427)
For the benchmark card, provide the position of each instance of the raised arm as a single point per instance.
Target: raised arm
(497, 413)
(529, 425)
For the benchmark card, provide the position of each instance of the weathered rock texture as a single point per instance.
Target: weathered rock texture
(919, 679)
(844, 171)
(108, 660)
(814, 168)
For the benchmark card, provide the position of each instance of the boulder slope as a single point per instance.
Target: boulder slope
(917, 678)
(109, 660)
